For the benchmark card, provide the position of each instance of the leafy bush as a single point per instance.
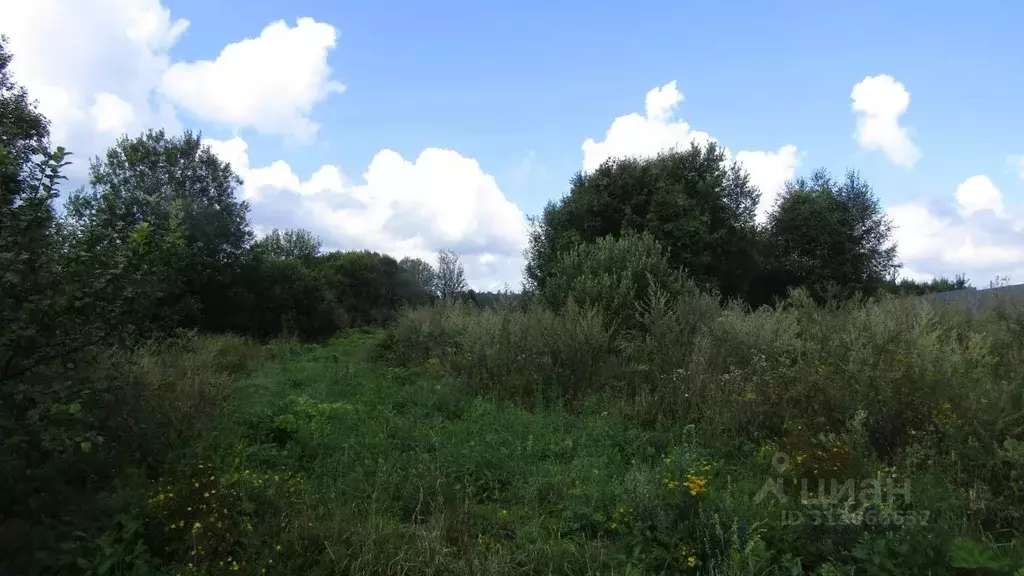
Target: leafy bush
(78, 446)
(614, 275)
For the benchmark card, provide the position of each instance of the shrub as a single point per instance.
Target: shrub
(613, 275)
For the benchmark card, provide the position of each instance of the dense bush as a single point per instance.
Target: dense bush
(77, 451)
(615, 276)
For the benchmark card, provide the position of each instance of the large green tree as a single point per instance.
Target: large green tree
(175, 190)
(698, 206)
(830, 236)
(422, 272)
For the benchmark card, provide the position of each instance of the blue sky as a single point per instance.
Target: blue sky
(485, 107)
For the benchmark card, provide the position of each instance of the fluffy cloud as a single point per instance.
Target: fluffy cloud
(111, 113)
(269, 83)
(969, 233)
(117, 77)
(403, 208)
(645, 135)
(92, 65)
(658, 130)
(977, 194)
(879, 101)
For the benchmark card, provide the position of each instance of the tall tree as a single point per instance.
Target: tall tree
(829, 236)
(29, 243)
(451, 276)
(179, 191)
(695, 204)
(422, 272)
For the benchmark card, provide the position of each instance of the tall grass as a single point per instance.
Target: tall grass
(522, 440)
(850, 388)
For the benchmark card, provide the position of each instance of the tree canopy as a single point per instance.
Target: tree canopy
(697, 205)
(829, 236)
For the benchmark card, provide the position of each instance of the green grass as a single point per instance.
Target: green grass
(352, 467)
(341, 459)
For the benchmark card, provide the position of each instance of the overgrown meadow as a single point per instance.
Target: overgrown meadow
(875, 438)
(677, 389)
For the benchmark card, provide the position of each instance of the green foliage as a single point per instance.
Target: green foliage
(888, 388)
(313, 298)
(422, 272)
(300, 243)
(270, 297)
(699, 207)
(827, 236)
(615, 276)
(450, 279)
(369, 287)
(185, 197)
(22, 128)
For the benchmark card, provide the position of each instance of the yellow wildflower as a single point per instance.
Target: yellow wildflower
(696, 484)
(691, 561)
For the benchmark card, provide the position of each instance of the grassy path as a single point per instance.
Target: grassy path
(329, 463)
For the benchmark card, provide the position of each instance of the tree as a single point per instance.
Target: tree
(695, 203)
(298, 243)
(32, 295)
(422, 272)
(183, 197)
(60, 309)
(23, 130)
(829, 236)
(451, 276)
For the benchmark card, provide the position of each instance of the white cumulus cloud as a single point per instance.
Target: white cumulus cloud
(977, 194)
(269, 83)
(92, 65)
(878, 102)
(658, 130)
(403, 208)
(111, 114)
(957, 236)
(644, 135)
